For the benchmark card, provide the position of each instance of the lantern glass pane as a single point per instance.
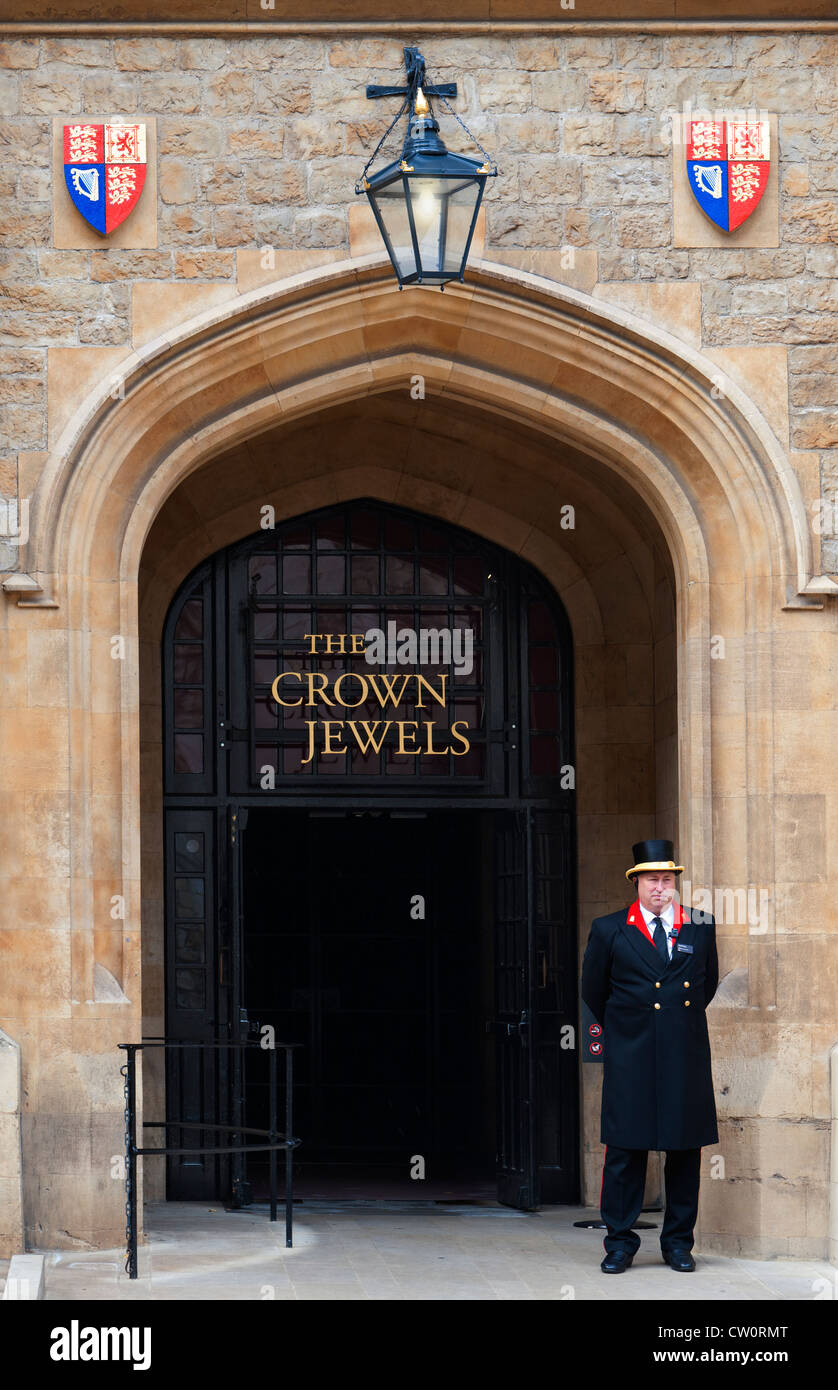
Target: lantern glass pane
(392, 208)
(461, 202)
(427, 200)
(442, 213)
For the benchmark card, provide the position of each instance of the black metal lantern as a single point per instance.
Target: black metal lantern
(425, 203)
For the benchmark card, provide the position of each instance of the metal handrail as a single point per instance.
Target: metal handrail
(278, 1139)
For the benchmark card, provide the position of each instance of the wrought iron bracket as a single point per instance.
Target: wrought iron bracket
(415, 67)
(440, 89)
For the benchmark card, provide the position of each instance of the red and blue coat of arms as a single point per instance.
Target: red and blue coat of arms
(104, 167)
(727, 165)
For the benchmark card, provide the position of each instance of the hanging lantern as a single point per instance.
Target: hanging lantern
(425, 203)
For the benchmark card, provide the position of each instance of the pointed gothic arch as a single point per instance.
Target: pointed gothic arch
(506, 346)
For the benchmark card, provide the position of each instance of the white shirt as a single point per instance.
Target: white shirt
(668, 919)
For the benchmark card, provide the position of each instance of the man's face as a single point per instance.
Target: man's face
(656, 890)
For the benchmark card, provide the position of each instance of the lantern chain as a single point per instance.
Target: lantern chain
(488, 158)
(362, 183)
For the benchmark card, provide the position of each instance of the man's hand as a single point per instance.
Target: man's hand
(596, 983)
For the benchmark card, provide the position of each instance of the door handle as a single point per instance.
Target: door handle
(520, 1027)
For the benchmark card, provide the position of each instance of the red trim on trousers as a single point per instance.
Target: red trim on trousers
(601, 1186)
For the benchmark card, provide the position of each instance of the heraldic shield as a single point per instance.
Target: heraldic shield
(727, 166)
(104, 167)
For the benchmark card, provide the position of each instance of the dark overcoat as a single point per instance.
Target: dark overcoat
(658, 1085)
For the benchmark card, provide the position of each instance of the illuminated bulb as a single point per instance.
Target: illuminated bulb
(421, 107)
(426, 207)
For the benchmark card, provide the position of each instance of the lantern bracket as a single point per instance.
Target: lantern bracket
(440, 89)
(424, 243)
(415, 66)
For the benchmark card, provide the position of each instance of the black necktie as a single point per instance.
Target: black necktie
(659, 938)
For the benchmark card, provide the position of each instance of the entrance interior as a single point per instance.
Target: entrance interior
(368, 937)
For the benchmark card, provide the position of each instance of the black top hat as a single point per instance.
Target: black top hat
(650, 855)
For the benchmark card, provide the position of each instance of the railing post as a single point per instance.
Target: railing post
(272, 1154)
(289, 1152)
(236, 1131)
(129, 1071)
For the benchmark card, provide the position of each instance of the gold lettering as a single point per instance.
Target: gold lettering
(312, 637)
(387, 689)
(402, 726)
(339, 638)
(358, 637)
(328, 746)
(320, 676)
(389, 683)
(429, 742)
(439, 697)
(311, 725)
(462, 739)
(289, 704)
(369, 730)
(352, 676)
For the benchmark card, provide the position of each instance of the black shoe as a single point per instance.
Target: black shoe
(616, 1262)
(680, 1260)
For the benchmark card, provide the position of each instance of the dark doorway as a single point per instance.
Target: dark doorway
(364, 939)
(295, 845)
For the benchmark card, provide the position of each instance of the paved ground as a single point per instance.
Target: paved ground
(398, 1250)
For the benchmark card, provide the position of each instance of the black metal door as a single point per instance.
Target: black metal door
(234, 1059)
(242, 617)
(516, 1170)
(554, 1050)
(535, 971)
(194, 1085)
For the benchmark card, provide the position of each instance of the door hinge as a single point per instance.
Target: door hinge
(506, 735)
(238, 822)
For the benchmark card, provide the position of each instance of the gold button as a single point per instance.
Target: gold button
(686, 984)
(657, 1006)
(686, 1003)
(657, 984)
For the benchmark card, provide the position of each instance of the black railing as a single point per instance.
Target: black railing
(277, 1139)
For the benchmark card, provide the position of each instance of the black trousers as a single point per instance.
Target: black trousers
(621, 1200)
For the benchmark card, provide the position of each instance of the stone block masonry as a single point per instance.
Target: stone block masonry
(260, 140)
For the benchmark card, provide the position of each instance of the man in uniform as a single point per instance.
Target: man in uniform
(649, 973)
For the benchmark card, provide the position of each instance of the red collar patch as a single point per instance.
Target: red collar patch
(635, 918)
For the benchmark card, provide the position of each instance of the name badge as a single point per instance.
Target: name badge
(682, 946)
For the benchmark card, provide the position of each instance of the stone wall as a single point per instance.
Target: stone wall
(11, 1186)
(260, 141)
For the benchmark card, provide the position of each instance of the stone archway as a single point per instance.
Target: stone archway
(461, 465)
(634, 402)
